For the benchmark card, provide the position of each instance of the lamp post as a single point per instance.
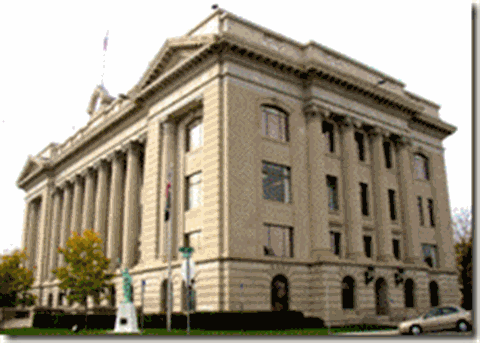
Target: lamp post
(187, 253)
(328, 308)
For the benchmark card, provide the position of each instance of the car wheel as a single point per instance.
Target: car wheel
(415, 330)
(462, 326)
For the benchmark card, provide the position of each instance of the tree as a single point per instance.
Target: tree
(15, 281)
(462, 221)
(85, 272)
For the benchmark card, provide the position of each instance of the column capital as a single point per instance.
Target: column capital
(65, 183)
(141, 138)
(133, 145)
(169, 119)
(313, 110)
(167, 125)
(346, 123)
(405, 141)
(379, 132)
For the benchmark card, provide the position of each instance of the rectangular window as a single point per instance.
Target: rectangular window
(364, 197)
(195, 135)
(367, 241)
(192, 240)
(430, 212)
(388, 154)
(421, 167)
(274, 123)
(420, 211)
(332, 192)
(396, 249)
(359, 138)
(327, 130)
(430, 255)
(194, 191)
(335, 242)
(391, 197)
(278, 241)
(276, 182)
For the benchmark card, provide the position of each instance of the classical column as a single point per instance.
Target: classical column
(408, 203)
(26, 227)
(131, 208)
(32, 238)
(319, 233)
(101, 209)
(167, 167)
(77, 205)
(44, 233)
(115, 214)
(57, 206)
(89, 202)
(66, 219)
(382, 220)
(441, 212)
(353, 216)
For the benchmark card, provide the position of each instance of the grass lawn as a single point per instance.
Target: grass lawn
(307, 332)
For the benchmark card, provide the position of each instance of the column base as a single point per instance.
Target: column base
(324, 255)
(359, 257)
(414, 260)
(388, 259)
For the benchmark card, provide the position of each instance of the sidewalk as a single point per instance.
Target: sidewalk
(370, 333)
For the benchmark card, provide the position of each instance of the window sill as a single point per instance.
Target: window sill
(421, 180)
(270, 201)
(194, 151)
(275, 140)
(334, 212)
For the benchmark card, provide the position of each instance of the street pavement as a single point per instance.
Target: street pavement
(397, 333)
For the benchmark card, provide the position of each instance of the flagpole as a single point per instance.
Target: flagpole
(169, 249)
(105, 43)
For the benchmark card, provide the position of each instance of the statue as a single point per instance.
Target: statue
(127, 284)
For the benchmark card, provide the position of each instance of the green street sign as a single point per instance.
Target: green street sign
(186, 251)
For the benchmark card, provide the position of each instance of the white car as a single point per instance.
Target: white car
(438, 318)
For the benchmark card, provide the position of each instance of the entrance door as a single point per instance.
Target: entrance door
(382, 297)
(279, 293)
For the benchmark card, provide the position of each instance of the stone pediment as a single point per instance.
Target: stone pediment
(31, 167)
(172, 54)
(99, 100)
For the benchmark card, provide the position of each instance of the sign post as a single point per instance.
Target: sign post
(143, 294)
(187, 252)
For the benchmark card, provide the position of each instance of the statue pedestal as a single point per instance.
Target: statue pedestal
(126, 319)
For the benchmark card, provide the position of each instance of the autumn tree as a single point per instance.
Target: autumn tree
(462, 225)
(85, 273)
(15, 281)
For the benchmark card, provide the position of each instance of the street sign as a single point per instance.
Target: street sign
(184, 270)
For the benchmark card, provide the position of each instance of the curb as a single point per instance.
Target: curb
(371, 333)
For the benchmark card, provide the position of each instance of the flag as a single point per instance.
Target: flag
(169, 199)
(105, 42)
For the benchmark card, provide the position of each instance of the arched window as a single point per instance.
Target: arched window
(113, 298)
(274, 123)
(434, 299)
(184, 296)
(280, 293)
(163, 296)
(409, 293)
(348, 293)
(50, 300)
(421, 167)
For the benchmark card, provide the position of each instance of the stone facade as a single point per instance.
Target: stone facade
(228, 73)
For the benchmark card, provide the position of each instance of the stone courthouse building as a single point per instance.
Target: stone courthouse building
(303, 179)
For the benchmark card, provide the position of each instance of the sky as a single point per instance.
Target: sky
(52, 59)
